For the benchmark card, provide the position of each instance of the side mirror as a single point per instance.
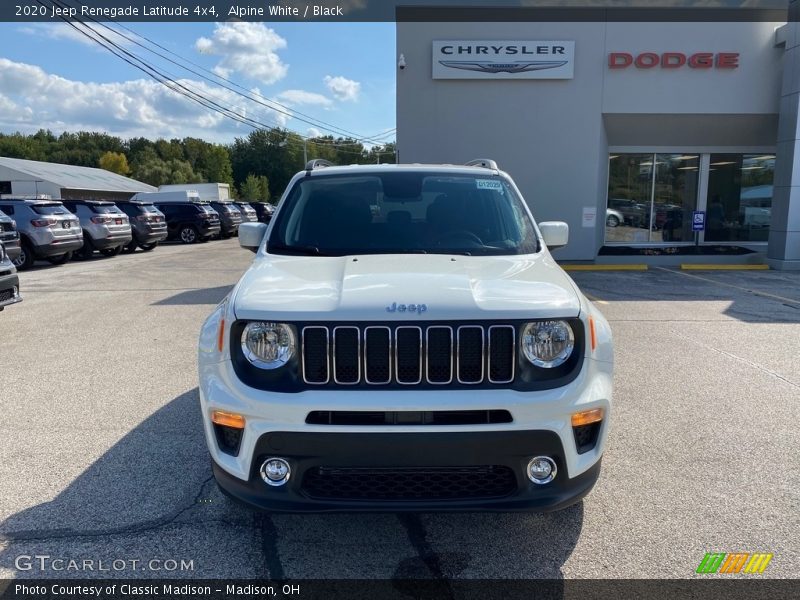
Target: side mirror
(251, 235)
(555, 234)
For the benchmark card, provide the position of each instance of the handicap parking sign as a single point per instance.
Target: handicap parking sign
(698, 220)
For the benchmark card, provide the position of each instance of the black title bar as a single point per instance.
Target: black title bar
(43, 11)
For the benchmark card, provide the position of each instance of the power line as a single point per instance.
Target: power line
(167, 79)
(252, 96)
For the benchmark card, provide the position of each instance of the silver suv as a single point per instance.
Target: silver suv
(105, 227)
(47, 230)
(9, 282)
(9, 236)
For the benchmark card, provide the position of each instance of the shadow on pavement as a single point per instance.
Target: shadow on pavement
(753, 296)
(212, 296)
(152, 494)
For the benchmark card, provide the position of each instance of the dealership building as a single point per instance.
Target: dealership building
(34, 178)
(669, 141)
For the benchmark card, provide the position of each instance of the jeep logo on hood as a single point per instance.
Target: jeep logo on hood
(410, 308)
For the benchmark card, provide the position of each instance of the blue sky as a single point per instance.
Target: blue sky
(339, 73)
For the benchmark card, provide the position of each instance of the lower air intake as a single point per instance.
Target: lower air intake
(408, 484)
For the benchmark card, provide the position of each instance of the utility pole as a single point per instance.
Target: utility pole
(305, 151)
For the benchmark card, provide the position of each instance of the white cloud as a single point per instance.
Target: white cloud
(249, 49)
(303, 97)
(313, 132)
(342, 88)
(64, 31)
(33, 99)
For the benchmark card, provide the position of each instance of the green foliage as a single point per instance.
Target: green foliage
(116, 162)
(278, 154)
(274, 155)
(255, 188)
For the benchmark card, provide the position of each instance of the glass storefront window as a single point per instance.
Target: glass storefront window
(739, 202)
(651, 197)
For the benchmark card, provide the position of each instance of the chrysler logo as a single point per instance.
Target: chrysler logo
(503, 67)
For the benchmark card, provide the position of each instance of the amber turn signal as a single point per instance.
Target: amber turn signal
(227, 419)
(587, 417)
(221, 335)
(593, 335)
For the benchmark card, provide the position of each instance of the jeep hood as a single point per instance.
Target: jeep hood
(360, 288)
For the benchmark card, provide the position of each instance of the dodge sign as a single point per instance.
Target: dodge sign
(503, 59)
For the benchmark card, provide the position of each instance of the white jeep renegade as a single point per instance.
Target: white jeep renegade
(404, 341)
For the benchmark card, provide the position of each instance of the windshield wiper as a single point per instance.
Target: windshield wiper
(301, 250)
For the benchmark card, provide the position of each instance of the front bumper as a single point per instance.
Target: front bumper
(312, 453)
(9, 290)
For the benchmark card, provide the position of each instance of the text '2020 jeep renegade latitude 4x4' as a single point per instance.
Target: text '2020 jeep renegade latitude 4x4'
(405, 341)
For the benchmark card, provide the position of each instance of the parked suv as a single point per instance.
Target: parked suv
(46, 228)
(264, 211)
(249, 214)
(230, 217)
(9, 236)
(190, 222)
(148, 224)
(9, 282)
(105, 227)
(405, 341)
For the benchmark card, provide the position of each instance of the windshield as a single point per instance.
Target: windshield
(405, 212)
(50, 209)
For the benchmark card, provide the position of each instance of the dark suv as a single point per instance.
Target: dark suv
(264, 211)
(9, 236)
(190, 222)
(148, 224)
(231, 218)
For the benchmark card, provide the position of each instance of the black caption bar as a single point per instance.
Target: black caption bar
(676, 589)
(366, 10)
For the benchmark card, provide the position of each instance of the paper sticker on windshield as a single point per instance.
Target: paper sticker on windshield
(489, 184)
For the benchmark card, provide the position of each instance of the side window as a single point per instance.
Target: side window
(8, 209)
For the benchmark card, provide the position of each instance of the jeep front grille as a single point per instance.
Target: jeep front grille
(408, 354)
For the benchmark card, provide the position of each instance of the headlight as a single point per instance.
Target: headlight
(268, 345)
(547, 344)
(2, 252)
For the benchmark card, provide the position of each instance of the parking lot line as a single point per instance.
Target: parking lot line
(730, 285)
(632, 267)
(696, 267)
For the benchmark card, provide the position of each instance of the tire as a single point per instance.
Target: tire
(130, 248)
(26, 258)
(612, 221)
(86, 251)
(60, 259)
(188, 234)
(111, 251)
(148, 247)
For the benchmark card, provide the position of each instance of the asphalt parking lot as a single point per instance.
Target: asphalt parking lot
(102, 454)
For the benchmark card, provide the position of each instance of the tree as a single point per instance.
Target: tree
(116, 162)
(255, 188)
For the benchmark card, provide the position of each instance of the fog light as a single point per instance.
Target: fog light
(541, 469)
(275, 471)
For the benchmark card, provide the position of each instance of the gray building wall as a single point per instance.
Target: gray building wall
(554, 136)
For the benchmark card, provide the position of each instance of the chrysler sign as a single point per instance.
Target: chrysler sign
(503, 59)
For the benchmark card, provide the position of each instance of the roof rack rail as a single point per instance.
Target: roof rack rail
(486, 163)
(318, 163)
